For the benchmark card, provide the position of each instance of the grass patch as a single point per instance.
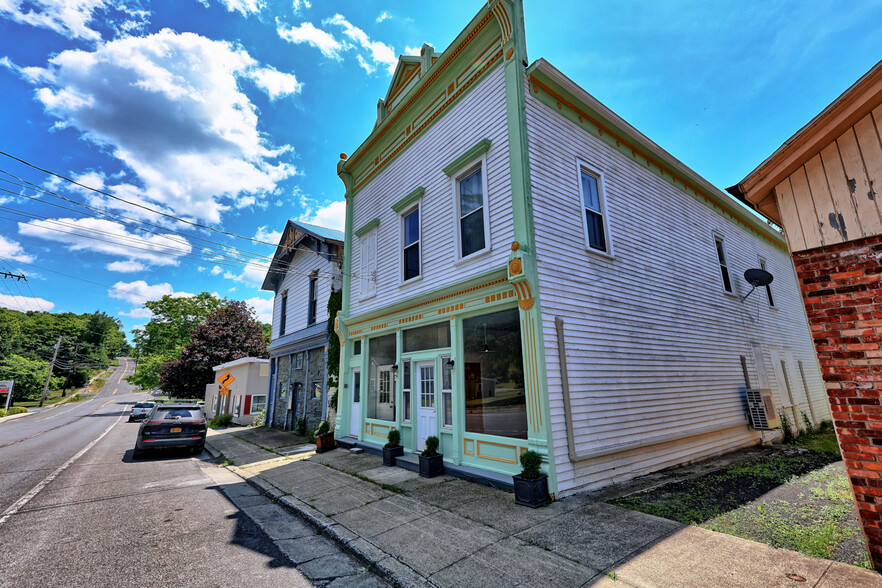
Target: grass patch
(390, 487)
(700, 499)
(246, 440)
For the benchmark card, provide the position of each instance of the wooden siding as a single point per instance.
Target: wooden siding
(653, 343)
(480, 115)
(834, 196)
(296, 282)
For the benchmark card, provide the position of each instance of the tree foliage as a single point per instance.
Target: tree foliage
(231, 332)
(88, 341)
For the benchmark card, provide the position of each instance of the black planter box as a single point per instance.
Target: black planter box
(531, 492)
(431, 466)
(390, 453)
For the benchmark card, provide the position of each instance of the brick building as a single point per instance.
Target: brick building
(822, 186)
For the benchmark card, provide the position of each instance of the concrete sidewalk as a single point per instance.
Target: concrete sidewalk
(447, 532)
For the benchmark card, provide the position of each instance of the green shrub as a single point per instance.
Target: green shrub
(394, 439)
(259, 420)
(214, 422)
(301, 426)
(323, 428)
(16, 410)
(225, 420)
(2, 413)
(431, 446)
(785, 425)
(310, 437)
(530, 461)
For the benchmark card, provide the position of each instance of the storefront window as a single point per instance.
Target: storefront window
(381, 392)
(494, 375)
(435, 336)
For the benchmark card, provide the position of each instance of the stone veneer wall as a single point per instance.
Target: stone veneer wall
(842, 291)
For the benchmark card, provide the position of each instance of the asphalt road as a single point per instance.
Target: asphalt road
(76, 510)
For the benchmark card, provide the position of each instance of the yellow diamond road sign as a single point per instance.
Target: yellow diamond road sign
(226, 379)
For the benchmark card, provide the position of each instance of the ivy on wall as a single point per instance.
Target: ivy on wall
(335, 303)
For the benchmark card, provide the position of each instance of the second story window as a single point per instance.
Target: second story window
(592, 211)
(313, 299)
(411, 267)
(283, 314)
(472, 215)
(724, 264)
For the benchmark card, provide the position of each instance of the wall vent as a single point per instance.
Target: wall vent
(761, 406)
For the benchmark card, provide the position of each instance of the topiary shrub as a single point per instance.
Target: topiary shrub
(530, 462)
(431, 446)
(323, 428)
(394, 439)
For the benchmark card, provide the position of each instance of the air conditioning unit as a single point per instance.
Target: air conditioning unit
(761, 406)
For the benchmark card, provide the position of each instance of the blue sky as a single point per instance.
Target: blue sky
(232, 114)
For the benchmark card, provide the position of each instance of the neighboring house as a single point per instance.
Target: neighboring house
(243, 393)
(304, 271)
(525, 270)
(823, 186)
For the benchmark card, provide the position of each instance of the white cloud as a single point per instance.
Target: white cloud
(216, 270)
(301, 4)
(126, 267)
(267, 236)
(243, 7)
(275, 83)
(110, 238)
(382, 17)
(307, 33)
(201, 268)
(413, 50)
(332, 216)
(25, 303)
(174, 115)
(138, 292)
(252, 275)
(380, 53)
(14, 251)
(263, 308)
(71, 18)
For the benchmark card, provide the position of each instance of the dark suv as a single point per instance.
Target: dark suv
(172, 426)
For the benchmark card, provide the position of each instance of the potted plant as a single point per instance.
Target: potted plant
(531, 486)
(324, 437)
(431, 462)
(392, 448)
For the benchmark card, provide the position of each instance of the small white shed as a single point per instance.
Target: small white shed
(239, 388)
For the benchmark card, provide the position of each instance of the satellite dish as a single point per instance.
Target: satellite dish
(757, 278)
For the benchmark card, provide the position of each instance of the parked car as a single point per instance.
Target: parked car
(172, 426)
(141, 410)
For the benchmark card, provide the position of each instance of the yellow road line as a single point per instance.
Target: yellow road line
(114, 391)
(103, 405)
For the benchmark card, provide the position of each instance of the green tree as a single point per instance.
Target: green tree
(231, 332)
(173, 321)
(29, 376)
(149, 369)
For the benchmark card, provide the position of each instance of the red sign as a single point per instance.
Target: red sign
(4, 390)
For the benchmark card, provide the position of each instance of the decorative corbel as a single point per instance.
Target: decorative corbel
(517, 275)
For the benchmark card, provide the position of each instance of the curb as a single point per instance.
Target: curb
(12, 417)
(383, 564)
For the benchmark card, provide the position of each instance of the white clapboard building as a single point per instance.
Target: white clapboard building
(526, 270)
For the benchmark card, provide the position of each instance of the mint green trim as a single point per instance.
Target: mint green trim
(408, 200)
(367, 227)
(540, 440)
(478, 149)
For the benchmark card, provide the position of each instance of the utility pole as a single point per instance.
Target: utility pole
(51, 367)
(18, 277)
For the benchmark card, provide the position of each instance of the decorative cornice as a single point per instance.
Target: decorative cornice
(415, 195)
(547, 86)
(478, 149)
(367, 227)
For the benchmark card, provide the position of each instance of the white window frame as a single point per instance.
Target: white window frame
(368, 285)
(415, 207)
(770, 296)
(582, 166)
(726, 262)
(406, 386)
(469, 169)
(256, 407)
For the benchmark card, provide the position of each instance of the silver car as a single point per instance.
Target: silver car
(141, 410)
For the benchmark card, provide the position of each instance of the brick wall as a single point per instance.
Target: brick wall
(842, 289)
